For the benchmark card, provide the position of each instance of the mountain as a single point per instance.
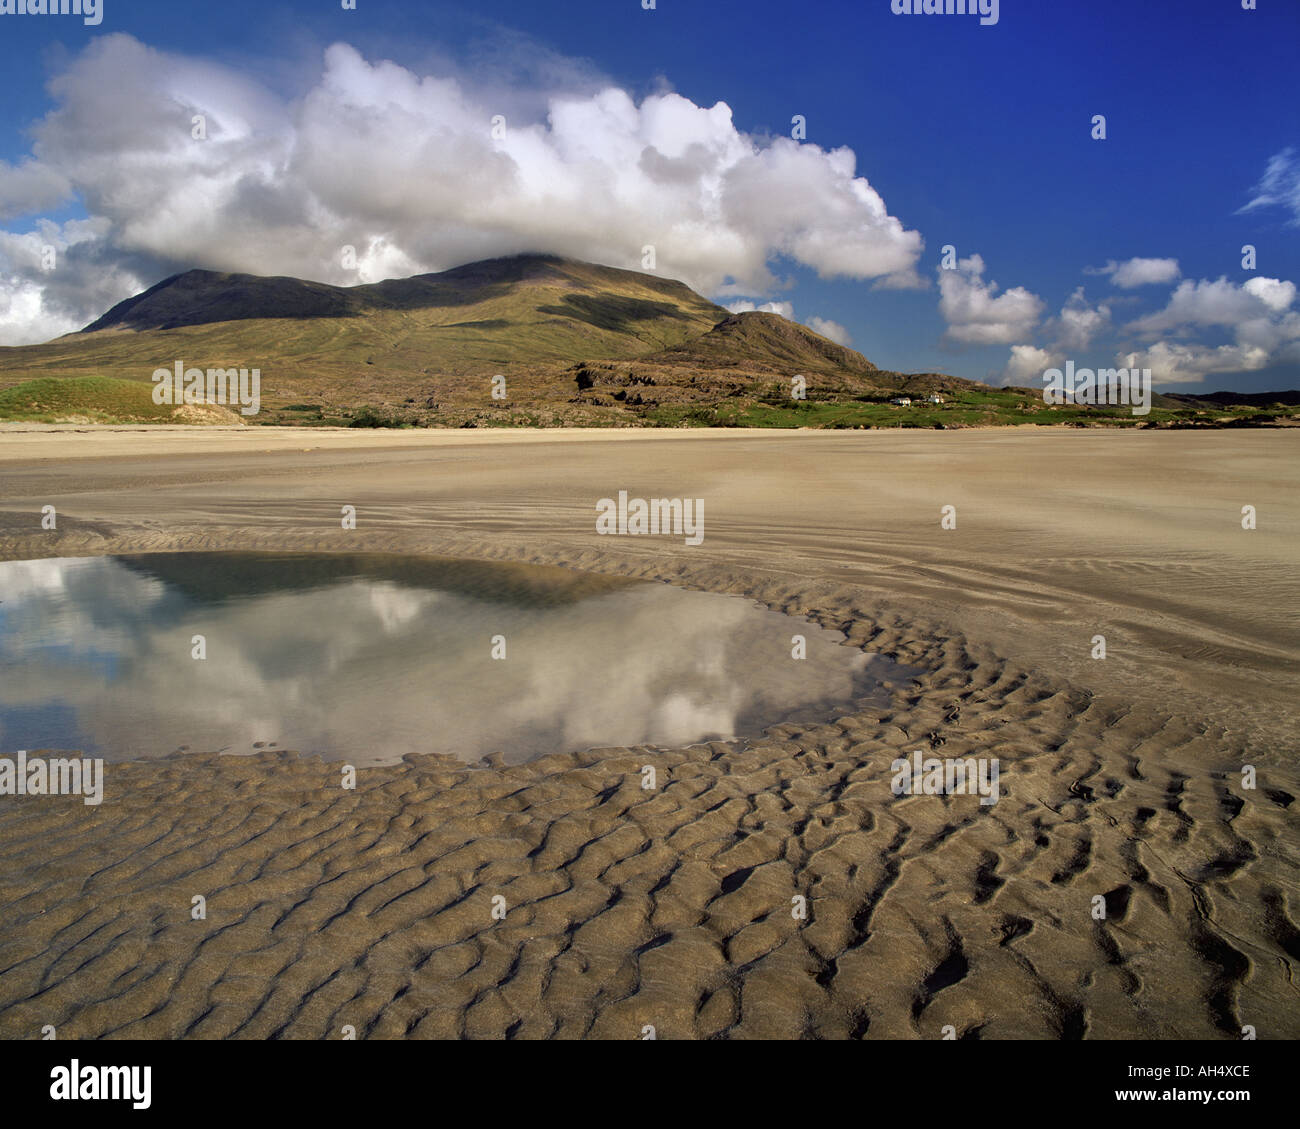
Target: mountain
(578, 344)
(745, 338)
(198, 297)
(1236, 399)
(497, 295)
(343, 345)
(751, 357)
(428, 346)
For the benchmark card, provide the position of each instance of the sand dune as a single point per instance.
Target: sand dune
(672, 907)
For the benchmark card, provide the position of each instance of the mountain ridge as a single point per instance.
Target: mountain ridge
(577, 344)
(428, 342)
(201, 297)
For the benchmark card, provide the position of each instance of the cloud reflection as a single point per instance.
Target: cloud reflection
(95, 654)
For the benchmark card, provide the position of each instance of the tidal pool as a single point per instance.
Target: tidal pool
(367, 658)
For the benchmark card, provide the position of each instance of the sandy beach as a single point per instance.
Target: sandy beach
(671, 907)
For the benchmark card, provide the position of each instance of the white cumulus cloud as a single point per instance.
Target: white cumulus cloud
(1079, 323)
(1132, 273)
(831, 330)
(406, 168)
(1258, 313)
(977, 314)
(743, 306)
(1219, 303)
(1177, 363)
(1265, 329)
(1027, 364)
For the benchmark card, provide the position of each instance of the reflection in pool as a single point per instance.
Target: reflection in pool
(368, 658)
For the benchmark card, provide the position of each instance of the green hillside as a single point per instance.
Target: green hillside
(100, 399)
(306, 337)
(577, 344)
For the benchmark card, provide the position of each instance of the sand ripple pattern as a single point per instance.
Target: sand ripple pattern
(672, 907)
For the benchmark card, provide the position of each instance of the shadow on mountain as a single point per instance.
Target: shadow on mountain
(612, 312)
(490, 323)
(204, 297)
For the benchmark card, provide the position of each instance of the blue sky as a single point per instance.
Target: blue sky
(978, 137)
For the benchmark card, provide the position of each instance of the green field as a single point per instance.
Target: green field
(105, 400)
(994, 408)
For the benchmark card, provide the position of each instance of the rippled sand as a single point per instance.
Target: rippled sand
(671, 907)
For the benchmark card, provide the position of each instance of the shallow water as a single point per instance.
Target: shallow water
(368, 658)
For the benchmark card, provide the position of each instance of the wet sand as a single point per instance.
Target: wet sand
(626, 907)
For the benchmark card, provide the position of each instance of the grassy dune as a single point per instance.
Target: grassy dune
(100, 399)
